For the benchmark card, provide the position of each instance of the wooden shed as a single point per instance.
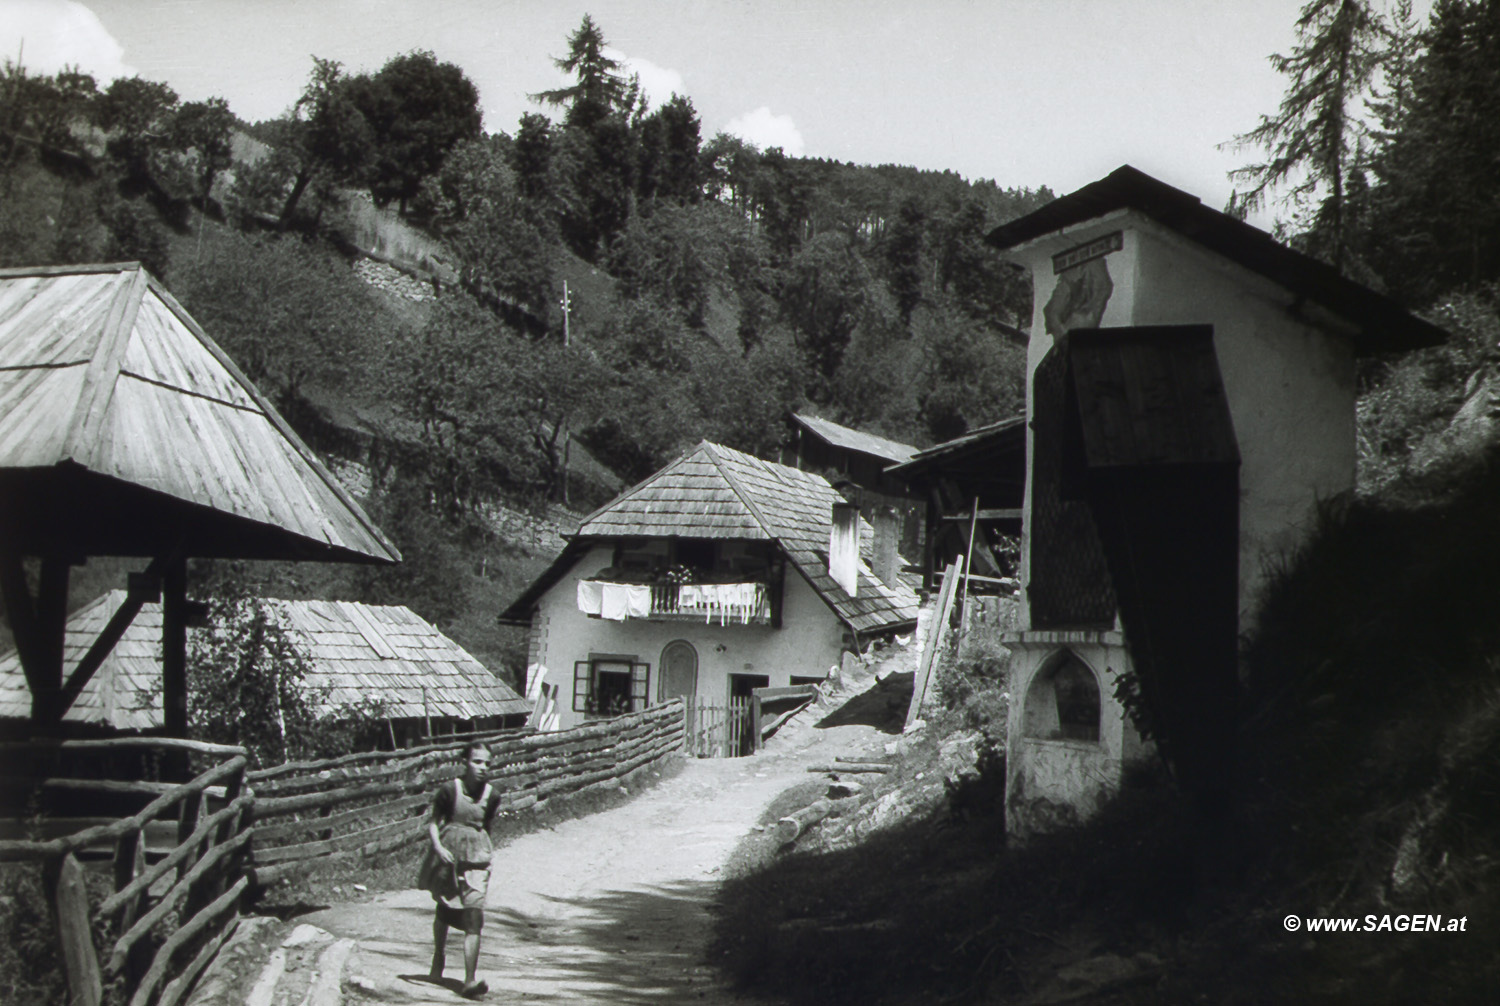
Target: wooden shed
(124, 430)
(356, 652)
(974, 486)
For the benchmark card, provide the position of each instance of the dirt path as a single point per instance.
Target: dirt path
(610, 908)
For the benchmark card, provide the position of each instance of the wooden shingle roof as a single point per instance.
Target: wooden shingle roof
(125, 430)
(357, 651)
(891, 451)
(714, 491)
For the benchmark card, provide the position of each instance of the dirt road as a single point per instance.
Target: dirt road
(610, 908)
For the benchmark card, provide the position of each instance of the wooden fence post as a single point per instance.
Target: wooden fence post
(754, 723)
(63, 880)
(130, 862)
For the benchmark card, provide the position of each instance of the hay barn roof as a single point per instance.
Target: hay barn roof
(357, 651)
(125, 430)
(714, 491)
(855, 440)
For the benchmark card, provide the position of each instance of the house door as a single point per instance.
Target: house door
(679, 671)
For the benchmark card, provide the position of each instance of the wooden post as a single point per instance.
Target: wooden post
(754, 723)
(968, 564)
(936, 632)
(130, 858)
(63, 879)
(174, 618)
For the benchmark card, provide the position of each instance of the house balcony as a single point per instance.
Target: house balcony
(744, 603)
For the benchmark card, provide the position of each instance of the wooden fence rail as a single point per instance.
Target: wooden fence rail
(202, 873)
(238, 830)
(360, 805)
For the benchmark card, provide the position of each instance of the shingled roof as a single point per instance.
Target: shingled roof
(124, 430)
(716, 492)
(357, 651)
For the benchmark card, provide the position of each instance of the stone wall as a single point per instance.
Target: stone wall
(393, 281)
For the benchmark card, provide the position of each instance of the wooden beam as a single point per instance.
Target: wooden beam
(936, 631)
(51, 623)
(104, 643)
(987, 514)
(21, 610)
(174, 646)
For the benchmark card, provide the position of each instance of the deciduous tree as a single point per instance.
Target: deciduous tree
(417, 110)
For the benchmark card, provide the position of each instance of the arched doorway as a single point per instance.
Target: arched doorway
(679, 672)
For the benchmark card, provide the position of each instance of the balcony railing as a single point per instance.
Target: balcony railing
(747, 603)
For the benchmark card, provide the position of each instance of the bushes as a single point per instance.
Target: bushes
(973, 682)
(247, 685)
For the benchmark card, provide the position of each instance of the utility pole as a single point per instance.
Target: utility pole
(567, 306)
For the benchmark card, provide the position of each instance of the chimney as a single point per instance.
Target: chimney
(885, 561)
(843, 547)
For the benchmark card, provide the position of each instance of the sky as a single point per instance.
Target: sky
(1025, 92)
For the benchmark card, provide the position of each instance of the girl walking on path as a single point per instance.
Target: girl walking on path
(456, 869)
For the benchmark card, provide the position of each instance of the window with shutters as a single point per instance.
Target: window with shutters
(610, 684)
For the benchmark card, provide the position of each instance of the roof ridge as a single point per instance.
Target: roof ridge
(277, 421)
(741, 492)
(103, 371)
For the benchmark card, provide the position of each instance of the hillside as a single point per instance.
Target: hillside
(405, 315)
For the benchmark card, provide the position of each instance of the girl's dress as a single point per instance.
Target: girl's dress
(461, 884)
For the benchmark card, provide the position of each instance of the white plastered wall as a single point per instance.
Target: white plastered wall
(1290, 388)
(809, 642)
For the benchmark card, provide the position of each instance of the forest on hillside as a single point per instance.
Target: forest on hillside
(712, 287)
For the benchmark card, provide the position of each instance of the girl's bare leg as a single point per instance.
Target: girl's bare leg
(440, 943)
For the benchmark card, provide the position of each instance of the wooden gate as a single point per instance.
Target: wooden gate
(717, 729)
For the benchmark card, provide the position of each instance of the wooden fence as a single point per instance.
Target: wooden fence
(303, 814)
(200, 877)
(364, 804)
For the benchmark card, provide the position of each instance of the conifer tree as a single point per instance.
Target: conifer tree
(599, 88)
(1313, 140)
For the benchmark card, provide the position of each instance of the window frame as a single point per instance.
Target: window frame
(586, 681)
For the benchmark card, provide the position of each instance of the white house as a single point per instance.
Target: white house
(1190, 402)
(719, 574)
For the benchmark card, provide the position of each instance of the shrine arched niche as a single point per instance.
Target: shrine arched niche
(1063, 701)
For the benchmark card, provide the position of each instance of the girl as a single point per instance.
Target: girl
(456, 869)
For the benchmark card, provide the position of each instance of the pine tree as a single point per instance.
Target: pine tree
(599, 88)
(1313, 140)
(1438, 203)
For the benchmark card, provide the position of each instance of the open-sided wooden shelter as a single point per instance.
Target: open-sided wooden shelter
(973, 486)
(124, 430)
